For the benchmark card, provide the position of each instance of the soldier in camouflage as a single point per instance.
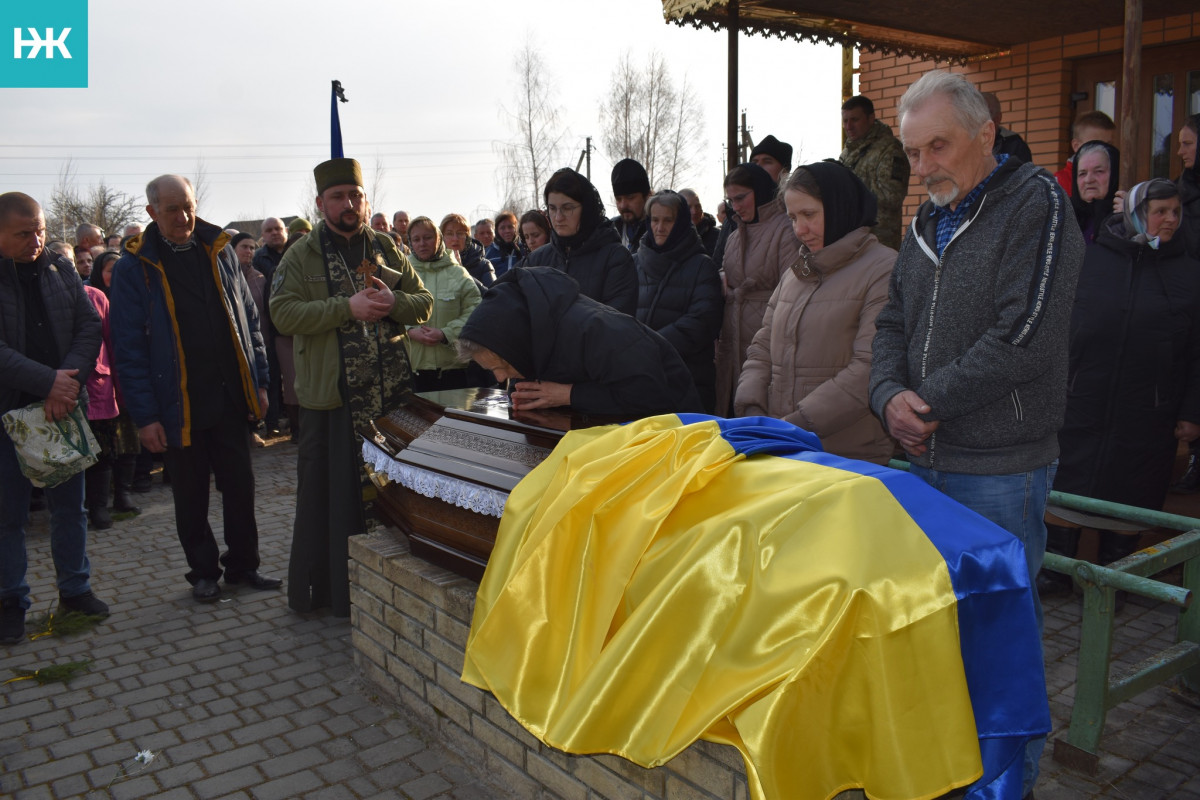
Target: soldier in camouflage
(876, 156)
(346, 293)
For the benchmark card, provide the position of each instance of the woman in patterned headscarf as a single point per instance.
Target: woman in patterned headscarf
(1133, 383)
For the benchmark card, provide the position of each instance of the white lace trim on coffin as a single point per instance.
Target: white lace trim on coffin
(457, 492)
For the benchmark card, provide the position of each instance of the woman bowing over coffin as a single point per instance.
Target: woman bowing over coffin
(561, 348)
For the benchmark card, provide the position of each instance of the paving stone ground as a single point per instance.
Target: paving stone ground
(246, 700)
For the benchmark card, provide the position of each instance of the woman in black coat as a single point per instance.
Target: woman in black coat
(679, 290)
(1133, 384)
(558, 347)
(584, 244)
(1189, 183)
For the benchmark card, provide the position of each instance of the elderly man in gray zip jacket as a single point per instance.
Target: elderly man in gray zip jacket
(969, 361)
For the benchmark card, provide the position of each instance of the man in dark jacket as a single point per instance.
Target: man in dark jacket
(706, 224)
(631, 189)
(193, 371)
(266, 259)
(1007, 141)
(976, 392)
(49, 341)
(564, 349)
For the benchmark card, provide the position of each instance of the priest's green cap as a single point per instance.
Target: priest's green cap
(337, 172)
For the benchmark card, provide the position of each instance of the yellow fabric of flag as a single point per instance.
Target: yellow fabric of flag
(650, 586)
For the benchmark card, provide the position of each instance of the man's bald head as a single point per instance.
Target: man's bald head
(172, 205)
(17, 204)
(22, 227)
(163, 183)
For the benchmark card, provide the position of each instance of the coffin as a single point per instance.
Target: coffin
(444, 463)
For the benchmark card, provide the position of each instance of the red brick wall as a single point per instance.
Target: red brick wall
(1033, 83)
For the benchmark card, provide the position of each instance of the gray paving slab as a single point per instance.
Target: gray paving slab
(240, 699)
(246, 699)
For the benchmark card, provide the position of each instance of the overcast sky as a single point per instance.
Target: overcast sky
(243, 87)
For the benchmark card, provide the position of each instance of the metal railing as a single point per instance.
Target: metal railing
(1096, 691)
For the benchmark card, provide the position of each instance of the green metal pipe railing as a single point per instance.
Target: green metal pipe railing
(1095, 692)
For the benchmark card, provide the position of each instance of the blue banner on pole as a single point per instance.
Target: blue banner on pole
(335, 123)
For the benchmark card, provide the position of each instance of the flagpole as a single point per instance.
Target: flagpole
(335, 123)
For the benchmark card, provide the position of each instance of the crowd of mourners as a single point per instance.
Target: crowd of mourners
(1018, 325)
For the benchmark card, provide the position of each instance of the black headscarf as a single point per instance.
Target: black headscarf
(1091, 213)
(97, 277)
(501, 323)
(683, 224)
(847, 202)
(569, 182)
(760, 182)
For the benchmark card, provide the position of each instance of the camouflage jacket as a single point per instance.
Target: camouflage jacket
(303, 306)
(878, 158)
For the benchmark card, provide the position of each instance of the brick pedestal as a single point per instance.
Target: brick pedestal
(410, 621)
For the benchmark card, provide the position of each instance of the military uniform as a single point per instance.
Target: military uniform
(878, 159)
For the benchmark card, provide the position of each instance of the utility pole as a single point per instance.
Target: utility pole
(586, 154)
(746, 143)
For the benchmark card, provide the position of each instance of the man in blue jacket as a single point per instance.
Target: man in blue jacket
(49, 341)
(193, 371)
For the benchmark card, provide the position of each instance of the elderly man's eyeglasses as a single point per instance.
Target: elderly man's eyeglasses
(564, 210)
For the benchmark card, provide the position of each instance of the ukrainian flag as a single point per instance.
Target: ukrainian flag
(842, 624)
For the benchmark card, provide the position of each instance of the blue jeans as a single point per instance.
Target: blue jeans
(68, 530)
(1016, 503)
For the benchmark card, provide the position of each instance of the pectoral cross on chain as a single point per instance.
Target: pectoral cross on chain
(366, 270)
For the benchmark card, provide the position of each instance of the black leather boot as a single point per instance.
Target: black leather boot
(123, 484)
(95, 492)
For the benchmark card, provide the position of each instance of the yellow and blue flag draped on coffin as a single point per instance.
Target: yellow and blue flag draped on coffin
(842, 624)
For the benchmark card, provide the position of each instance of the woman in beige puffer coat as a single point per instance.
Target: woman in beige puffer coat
(757, 254)
(810, 362)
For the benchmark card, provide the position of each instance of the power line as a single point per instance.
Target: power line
(267, 144)
(234, 158)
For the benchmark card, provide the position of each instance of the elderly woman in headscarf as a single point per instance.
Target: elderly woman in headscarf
(584, 244)
(679, 291)
(1133, 383)
(1094, 185)
(810, 362)
(756, 255)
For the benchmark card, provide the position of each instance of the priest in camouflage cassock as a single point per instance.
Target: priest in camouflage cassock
(346, 294)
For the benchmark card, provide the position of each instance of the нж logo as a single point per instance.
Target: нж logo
(50, 44)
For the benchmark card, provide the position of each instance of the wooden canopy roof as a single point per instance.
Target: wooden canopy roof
(939, 30)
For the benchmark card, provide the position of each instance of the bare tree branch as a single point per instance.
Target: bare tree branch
(644, 117)
(99, 205)
(531, 155)
(200, 183)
